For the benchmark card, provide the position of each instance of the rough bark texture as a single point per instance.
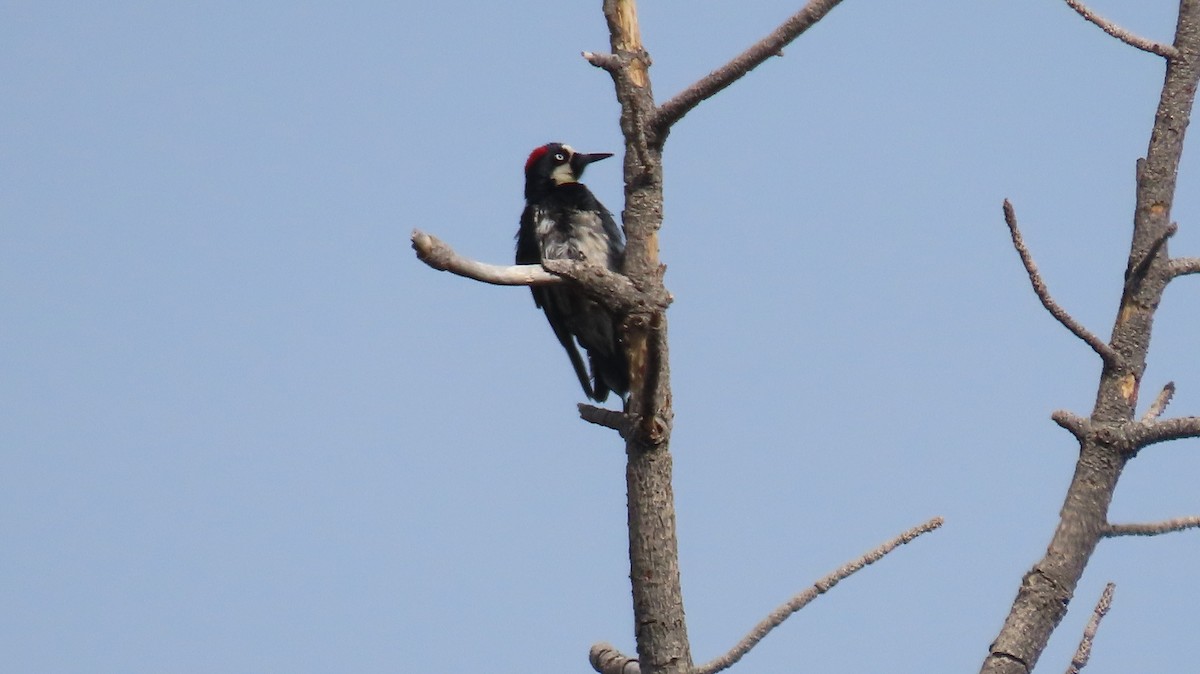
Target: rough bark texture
(662, 640)
(1047, 588)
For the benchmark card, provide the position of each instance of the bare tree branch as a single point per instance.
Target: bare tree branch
(614, 291)
(1153, 528)
(1039, 286)
(1046, 590)
(776, 618)
(437, 254)
(1160, 403)
(1164, 50)
(1181, 266)
(629, 67)
(1084, 652)
(682, 103)
(604, 417)
(663, 646)
(1077, 425)
(608, 62)
(606, 659)
(1146, 433)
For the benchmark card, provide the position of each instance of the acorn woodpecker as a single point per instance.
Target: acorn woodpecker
(562, 220)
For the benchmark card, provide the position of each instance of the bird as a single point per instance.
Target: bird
(563, 220)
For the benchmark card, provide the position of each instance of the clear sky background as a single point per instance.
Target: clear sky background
(242, 429)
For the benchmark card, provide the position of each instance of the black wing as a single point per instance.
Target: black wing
(610, 371)
(616, 254)
(556, 301)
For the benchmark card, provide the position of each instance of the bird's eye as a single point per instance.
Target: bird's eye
(559, 157)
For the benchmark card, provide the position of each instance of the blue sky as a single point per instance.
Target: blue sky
(244, 430)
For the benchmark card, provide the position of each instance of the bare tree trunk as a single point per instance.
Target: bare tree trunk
(1110, 437)
(639, 296)
(661, 629)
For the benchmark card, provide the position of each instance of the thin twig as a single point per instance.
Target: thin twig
(604, 417)
(1164, 50)
(804, 598)
(1039, 286)
(682, 103)
(1181, 266)
(1153, 528)
(1160, 403)
(1084, 652)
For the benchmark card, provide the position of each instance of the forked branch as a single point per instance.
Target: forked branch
(658, 616)
(1111, 436)
(772, 45)
(1164, 50)
(1039, 286)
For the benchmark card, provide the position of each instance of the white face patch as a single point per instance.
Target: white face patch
(563, 173)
